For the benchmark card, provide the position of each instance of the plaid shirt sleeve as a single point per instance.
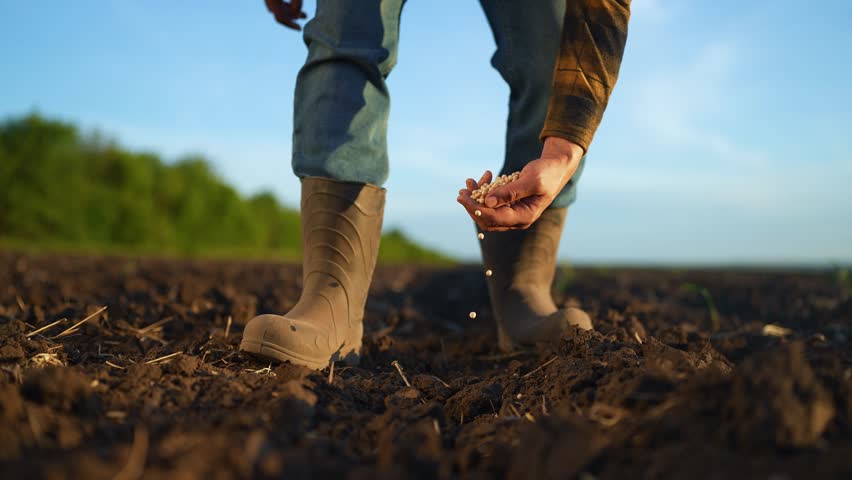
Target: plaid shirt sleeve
(593, 37)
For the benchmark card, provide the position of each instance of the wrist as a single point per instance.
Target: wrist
(564, 150)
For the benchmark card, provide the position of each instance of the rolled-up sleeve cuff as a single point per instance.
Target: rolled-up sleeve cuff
(573, 118)
(578, 136)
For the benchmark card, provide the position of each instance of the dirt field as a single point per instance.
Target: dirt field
(673, 384)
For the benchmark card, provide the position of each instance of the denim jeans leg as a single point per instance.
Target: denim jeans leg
(342, 101)
(527, 39)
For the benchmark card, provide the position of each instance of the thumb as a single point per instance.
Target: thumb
(510, 193)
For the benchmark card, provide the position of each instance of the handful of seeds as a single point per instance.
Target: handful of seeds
(480, 193)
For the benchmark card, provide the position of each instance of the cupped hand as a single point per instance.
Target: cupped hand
(286, 13)
(518, 204)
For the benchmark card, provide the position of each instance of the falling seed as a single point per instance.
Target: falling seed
(488, 273)
(480, 236)
(477, 213)
(472, 315)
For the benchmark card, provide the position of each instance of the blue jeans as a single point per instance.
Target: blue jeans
(342, 101)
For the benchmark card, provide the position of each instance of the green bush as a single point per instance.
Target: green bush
(60, 189)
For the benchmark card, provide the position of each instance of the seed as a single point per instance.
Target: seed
(478, 213)
(480, 193)
(480, 236)
(488, 273)
(472, 315)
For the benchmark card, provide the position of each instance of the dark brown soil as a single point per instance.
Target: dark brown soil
(657, 391)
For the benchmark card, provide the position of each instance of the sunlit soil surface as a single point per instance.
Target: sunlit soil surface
(690, 374)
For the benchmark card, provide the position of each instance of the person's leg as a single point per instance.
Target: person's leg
(523, 262)
(342, 101)
(527, 38)
(340, 152)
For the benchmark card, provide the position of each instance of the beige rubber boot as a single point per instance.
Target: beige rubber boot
(523, 263)
(341, 230)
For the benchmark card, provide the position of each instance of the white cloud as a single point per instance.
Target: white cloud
(679, 113)
(686, 173)
(669, 103)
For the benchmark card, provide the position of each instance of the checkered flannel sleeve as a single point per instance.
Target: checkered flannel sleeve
(593, 37)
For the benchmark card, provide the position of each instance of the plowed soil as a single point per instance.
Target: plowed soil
(681, 379)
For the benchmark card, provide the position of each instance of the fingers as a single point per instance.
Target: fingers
(500, 219)
(470, 206)
(471, 184)
(523, 187)
(509, 210)
(289, 23)
(286, 13)
(296, 9)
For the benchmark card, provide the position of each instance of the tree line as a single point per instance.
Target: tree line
(64, 189)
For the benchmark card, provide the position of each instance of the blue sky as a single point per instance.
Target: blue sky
(727, 138)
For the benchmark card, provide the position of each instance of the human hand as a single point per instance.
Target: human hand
(518, 204)
(287, 13)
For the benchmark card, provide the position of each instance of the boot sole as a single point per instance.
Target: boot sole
(271, 350)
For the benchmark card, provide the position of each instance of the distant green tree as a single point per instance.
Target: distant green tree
(62, 189)
(282, 230)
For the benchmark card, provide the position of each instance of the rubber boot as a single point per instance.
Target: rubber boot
(341, 230)
(523, 264)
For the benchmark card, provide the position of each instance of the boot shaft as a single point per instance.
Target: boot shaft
(525, 259)
(523, 263)
(341, 232)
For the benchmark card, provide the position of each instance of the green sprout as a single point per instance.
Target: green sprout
(708, 299)
(842, 277)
